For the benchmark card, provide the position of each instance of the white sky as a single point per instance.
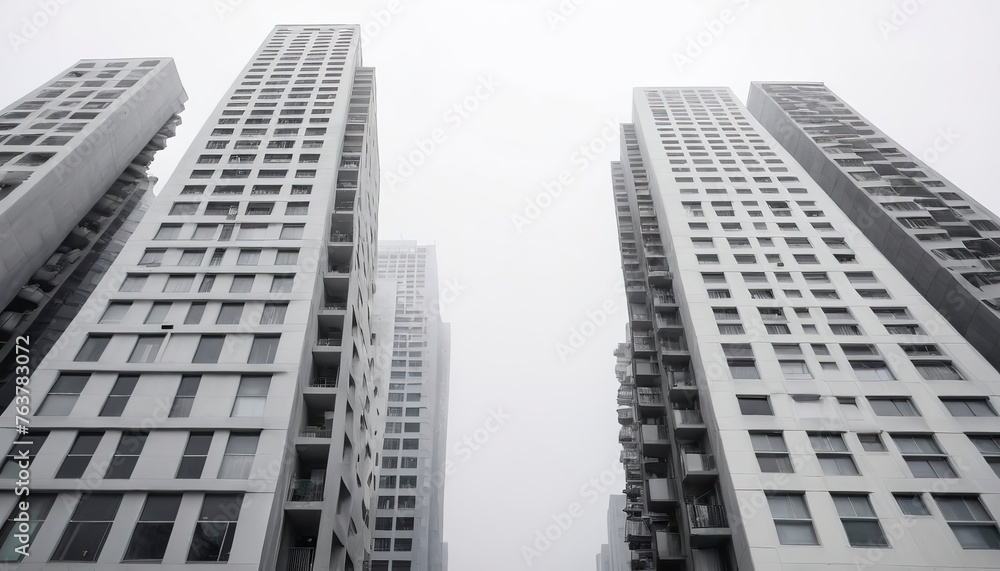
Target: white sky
(558, 83)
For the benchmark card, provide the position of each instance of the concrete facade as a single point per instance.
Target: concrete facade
(945, 243)
(410, 508)
(73, 160)
(216, 401)
(788, 399)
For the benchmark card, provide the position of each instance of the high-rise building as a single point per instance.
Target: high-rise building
(939, 238)
(614, 555)
(73, 159)
(409, 514)
(790, 400)
(216, 400)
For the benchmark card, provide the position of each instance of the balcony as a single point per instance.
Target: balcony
(341, 238)
(316, 432)
(662, 496)
(674, 350)
(335, 306)
(647, 373)
(709, 524)
(668, 546)
(698, 466)
(305, 491)
(650, 399)
(323, 382)
(300, 559)
(688, 423)
(330, 341)
(640, 318)
(635, 290)
(626, 416)
(681, 386)
(627, 434)
(636, 529)
(661, 298)
(660, 275)
(633, 490)
(655, 440)
(357, 118)
(643, 346)
(668, 323)
(626, 396)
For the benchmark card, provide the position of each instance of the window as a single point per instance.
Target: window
(933, 370)
(126, 455)
(241, 284)
(282, 284)
(168, 232)
(63, 395)
(146, 349)
(209, 349)
(872, 371)
(152, 531)
(251, 396)
(409, 462)
(248, 258)
(911, 504)
(205, 231)
(157, 313)
(297, 207)
(859, 520)
(230, 314)
(264, 349)
(38, 510)
(120, 394)
(754, 406)
(286, 257)
(382, 543)
(178, 284)
(833, 455)
(973, 526)
(772, 455)
(195, 454)
(871, 442)
(133, 283)
(969, 407)
(88, 528)
(213, 536)
(239, 456)
(291, 231)
(79, 455)
(795, 370)
(195, 312)
(893, 407)
(184, 397)
(184, 208)
(923, 456)
(402, 545)
(93, 348)
(19, 451)
(989, 446)
(273, 314)
(792, 519)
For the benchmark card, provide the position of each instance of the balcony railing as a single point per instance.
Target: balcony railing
(688, 416)
(316, 432)
(707, 515)
(340, 237)
(698, 462)
(650, 396)
(323, 382)
(336, 269)
(300, 558)
(330, 341)
(305, 491)
(335, 305)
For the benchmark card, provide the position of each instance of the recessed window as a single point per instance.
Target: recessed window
(184, 397)
(80, 455)
(195, 454)
(753, 405)
(62, 397)
(230, 314)
(241, 284)
(115, 312)
(859, 520)
(264, 349)
(153, 529)
(239, 456)
(146, 349)
(126, 455)
(871, 442)
(792, 519)
(213, 535)
(969, 407)
(93, 348)
(88, 528)
(209, 349)
(251, 396)
(911, 504)
(772, 455)
(120, 394)
(893, 407)
(972, 524)
(191, 258)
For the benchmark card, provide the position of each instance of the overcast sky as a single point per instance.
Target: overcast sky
(535, 81)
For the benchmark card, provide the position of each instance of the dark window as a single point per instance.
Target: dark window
(152, 531)
(88, 528)
(213, 535)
